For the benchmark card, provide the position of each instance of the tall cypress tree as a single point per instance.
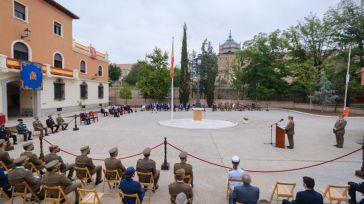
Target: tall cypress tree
(184, 89)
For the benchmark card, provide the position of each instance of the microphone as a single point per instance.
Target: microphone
(281, 120)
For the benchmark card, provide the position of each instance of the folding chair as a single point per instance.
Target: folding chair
(112, 178)
(86, 175)
(3, 166)
(93, 116)
(89, 196)
(55, 200)
(283, 190)
(3, 194)
(14, 131)
(332, 192)
(33, 169)
(147, 185)
(228, 189)
(24, 194)
(123, 195)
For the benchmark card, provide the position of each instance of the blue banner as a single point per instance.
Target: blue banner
(31, 76)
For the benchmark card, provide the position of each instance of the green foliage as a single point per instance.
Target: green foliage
(184, 88)
(177, 77)
(125, 92)
(114, 72)
(325, 95)
(155, 80)
(133, 77)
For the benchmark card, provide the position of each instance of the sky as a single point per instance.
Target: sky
(129, 29)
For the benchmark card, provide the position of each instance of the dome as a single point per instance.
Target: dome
(229, 46)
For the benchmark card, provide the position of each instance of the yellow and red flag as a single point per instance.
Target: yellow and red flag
(171, 71)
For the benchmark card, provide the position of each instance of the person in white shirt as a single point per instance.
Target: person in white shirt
(235, 173)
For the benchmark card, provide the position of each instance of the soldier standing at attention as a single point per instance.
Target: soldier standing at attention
(339, 130)
(38, 126)
(113, 163)
(180, 187)
(84, 161)
(23, 130)
(290, 132)
(54, 149)
(147, 165)
(185, 166)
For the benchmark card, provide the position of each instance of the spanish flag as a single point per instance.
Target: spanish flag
(171, 71)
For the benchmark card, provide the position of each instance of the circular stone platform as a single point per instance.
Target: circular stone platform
(205, 124)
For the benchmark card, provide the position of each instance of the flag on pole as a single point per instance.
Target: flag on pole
(171, 71)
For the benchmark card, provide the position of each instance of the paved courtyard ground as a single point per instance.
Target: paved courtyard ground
(132, 133)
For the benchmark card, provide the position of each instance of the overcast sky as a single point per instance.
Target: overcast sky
(128, 29)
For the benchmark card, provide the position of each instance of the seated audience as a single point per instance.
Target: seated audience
(86, 118)
(4, 155)
(6, 134)
(23, 130)
(354, 187)
(308, 196)
(38, 126)
(183, 165)
(245, 193)
(4, 183)
(179, 186)
(54, 149)
(54, 177)
(113, 163)
(33, 158)
(129, 186)
(236, 173)
(147, 165)
(51, 124)
(61, 123)
(84, 161)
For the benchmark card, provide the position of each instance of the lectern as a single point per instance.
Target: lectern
(280, 137)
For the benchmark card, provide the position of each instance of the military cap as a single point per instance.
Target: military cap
(180, 172)
(146, 151)
(183, 155)
(20, 120)
(235, 159)
(84, 148)
(291, 117)
(113, 150)
(52, 164)
(129, 171)
(53, 147)
(2, 141)
(27, 144)
(20, 160)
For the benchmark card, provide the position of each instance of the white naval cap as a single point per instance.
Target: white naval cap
(235, 159)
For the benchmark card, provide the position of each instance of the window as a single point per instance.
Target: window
(59, 90)
(57, 28)
(83, 88)
(21, 51)
(20, 11)
(101, 91)
(83, 66)
(58, 60)
(99, 71)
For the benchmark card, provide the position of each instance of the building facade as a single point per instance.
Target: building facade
(125, 70)
(74, 75)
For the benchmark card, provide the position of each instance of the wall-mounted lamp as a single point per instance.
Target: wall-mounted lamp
(26, 33)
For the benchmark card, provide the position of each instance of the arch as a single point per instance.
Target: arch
(58, 60)
(99, 71)
(83, 67)
(30, 55)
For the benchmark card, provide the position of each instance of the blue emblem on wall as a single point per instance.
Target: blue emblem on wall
(31, 76)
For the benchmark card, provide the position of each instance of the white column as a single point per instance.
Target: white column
(3, 62)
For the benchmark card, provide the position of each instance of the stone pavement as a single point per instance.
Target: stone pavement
(132, 133)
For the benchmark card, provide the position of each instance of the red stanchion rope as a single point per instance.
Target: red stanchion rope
(126, 157)
(269, 171)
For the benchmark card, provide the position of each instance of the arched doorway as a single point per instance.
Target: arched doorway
(13, 98)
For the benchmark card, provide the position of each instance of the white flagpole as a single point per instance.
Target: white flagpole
(172, 104)
(347, 77)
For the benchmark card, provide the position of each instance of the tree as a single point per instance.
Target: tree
(325, 95)
(177, 77)
(155, 80)
(125, 92)
(133, 77)
(114, 72)
(184, 89)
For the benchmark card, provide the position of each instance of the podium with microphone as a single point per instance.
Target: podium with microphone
(280, 134)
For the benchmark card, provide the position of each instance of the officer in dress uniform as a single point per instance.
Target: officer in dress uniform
(290, 132)
(23, 130)
(6, 134)
(147, 165)
(129, 186)
(29, 147)
(38, 126)
(54, 149)
(84, 161)
(54, 177)
(339, 130)
(61, 123)
(19, 174)
(113, 163)
(4, 155)
(51, 124)
(179, 186)
(185, 166)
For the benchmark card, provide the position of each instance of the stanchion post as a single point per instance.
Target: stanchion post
(41, 155)
(75, 128)
(165, 165)
(360, 173)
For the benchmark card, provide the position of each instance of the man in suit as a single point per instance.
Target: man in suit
(84, 161)
(51, 124)
(129, 186)
(19, 174)
(339, 130)
(113, 163)
(290, 132)
(236, 173)
(23, 130)
(4, 155)
(54, 149)
(179, 186)
(61, 123)
(33, 158)
(183, 165)
(308, 196)
(245, 193)
(38, 126)
(54, 177)
(147, 165)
